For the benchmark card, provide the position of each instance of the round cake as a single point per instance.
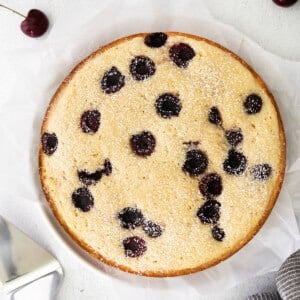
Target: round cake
(162, 154)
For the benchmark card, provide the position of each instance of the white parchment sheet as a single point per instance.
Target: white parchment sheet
(33, 71)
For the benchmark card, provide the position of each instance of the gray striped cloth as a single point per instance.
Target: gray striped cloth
(287, 281)
(265, 296)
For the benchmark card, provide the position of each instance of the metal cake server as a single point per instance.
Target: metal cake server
(22, 261)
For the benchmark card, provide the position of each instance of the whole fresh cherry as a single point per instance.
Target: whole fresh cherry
(35, 24)
(285, 3)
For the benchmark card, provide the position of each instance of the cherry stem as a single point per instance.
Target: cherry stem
(14, 11)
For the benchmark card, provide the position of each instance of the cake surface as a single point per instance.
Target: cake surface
(162, 154)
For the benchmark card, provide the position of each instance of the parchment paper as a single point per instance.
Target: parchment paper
(34, 69)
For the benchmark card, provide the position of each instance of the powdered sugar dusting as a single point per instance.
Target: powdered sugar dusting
(156, 184)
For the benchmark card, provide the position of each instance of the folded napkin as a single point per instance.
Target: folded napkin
(287, 281)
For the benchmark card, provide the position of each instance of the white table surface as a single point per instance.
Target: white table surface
(274, 28)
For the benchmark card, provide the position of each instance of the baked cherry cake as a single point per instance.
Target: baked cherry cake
(162, 154)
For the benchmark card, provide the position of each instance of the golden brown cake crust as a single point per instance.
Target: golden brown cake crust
(213, 262)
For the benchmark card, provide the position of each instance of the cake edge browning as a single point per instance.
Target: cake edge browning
(170, 273)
